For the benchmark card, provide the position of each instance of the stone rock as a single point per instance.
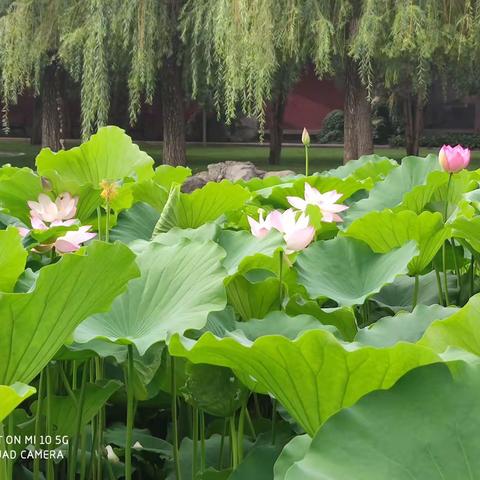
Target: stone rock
(228, 170)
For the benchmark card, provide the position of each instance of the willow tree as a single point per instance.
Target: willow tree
(42, 40)
(405, 45)
(234, 45)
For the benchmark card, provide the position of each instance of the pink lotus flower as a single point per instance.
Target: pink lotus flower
(297, 233)
(45, 210)
(325, 201)
(261, 227)
(72, 240)
(453, 159)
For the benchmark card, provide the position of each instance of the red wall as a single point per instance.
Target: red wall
(310, 101)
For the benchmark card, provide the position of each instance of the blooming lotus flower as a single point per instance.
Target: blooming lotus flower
(453, 159)
(325, 201)
(71, 241)
(261, 227)
(45, 210)
(297, 233)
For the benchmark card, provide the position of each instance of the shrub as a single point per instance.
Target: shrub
(332, 130)
(436, 140)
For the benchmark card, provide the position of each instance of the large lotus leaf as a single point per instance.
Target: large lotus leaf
(12, 258)
(65, 409)
(403, 327)
(373, 167)
(135, 223)
(399, 294)
(240, 245)
(294, 451)
(425, 427)
(12, 396)
(253, 299)
(348, 271)
(312, 376)
(190, 210)
(179, 286)
(107, 155)
(277, 195)
(386, 230)
(154, 191)
(17, 186)
(468, 229)
(35, 324)
(390, 192)
(433, 193)
(461, 330)
(342, 318)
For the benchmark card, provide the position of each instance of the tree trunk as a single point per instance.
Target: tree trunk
(173, 109)
(51, 109)
(358, 133)
(36, 134)
(413, 113)
(276, 128)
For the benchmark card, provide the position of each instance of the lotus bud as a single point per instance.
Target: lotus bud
(305, 137)
(111, 455)
(453, 159)
(137, 446)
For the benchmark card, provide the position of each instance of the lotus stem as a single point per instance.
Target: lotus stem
(306, 160)
(241, 429)
(202, 442)
(72, 467)
(50, 473)
(38, 416)
(233, 442)
(457, 267)
(274, 418)
(415, 292)
(107, 222)
(175, 419)
(250, 424)
(280, 285)
(195, 443)
(439, 286)
(222, 444)
(130, 413)
(99, 223)
(472, 274)
(444, 252)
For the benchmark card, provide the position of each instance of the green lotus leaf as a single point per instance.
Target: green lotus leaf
(373, 440)
(240, 245)
(12, 396)
(12, 258)
(107, 155)
(467, 229)
(348, 271)
(179, 286)
(17, 186)
(209, 231)
(35, 324)
(154, 191)
(253, 299)
(135, 223)
(390, 192)
(399, 294)
(190, 210)
(386, 230)
(213, 389)
(314, 375)
(460, 330)
(434, 192)
(277, 195)
(341, 318)
(64, 409)
(403, 327)
(294, 451)
(372, 167)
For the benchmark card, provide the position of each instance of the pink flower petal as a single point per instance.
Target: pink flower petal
(299, 239)
(297, 202)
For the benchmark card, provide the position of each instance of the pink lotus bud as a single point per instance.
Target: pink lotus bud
(305, 137)
(453, 159)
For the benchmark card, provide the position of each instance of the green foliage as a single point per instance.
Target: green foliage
(332, 128)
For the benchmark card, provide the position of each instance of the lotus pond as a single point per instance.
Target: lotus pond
(298, 328)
